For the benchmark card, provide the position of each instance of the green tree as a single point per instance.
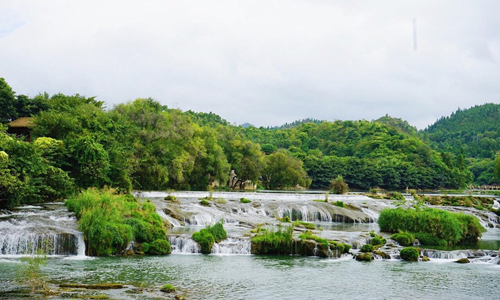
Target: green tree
(283, 170)
(7, 102)
(497, 168)
(339, 186)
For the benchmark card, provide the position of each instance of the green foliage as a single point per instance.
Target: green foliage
(409, 254)
(339, 186)
(160, 247)
(283, 170)
(109, 222)
(404, 238)
(367, 248)
(497, 168)
(244, 200)
(396, 196)
(273, 242)
(170, 198)
(452, 227)
(167, 288)
(339, 204)
(210, 235)
(28, 173)
(204, 202)
(378, 241)
(303, 224)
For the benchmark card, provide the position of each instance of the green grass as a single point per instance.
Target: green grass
(109, 222)
(273, 242)
(244, 200)
(303, 224)
(454, 228)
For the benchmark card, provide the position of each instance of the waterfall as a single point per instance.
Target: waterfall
(233, 246)
(49, 230)
(184, 244)
(34, 243)
(456, 254)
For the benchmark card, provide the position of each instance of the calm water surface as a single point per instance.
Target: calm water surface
(258, 277)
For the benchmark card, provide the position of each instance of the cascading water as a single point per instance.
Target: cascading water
(30, 230)
(184, 244)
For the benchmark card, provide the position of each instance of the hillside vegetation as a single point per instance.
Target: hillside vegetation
(143, 145)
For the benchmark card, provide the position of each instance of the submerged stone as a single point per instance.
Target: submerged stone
(463, 261)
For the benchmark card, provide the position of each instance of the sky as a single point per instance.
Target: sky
(262, 62)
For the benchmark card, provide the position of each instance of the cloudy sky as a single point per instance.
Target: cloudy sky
(263, 62)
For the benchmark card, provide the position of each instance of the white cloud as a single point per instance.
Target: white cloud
(263, 62)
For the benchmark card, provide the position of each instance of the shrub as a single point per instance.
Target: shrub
(205, 239)
(367, 248)
(109, 222)
(409, 254)
(373, 191)
(160, 247)
(339, 186)
(378, 241)
(170, 198)
(397, 196)
(244, 200)
(429, 239)
(210, 235)
(273, 242)
(403, 238)
(168, 288)
(454, 228)
(204, 202)
(339, 204)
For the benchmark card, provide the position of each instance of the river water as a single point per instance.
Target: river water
(232, 273)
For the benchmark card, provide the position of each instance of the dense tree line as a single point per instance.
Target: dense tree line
(143, 145)
(366, 154)
(473, 133)
(136, 145)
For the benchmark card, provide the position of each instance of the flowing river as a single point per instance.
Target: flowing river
(231, 272)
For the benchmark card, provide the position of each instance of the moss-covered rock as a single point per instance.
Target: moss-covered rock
(403, 238)
(367, 248)
(167, 288)
(364, 257)
(425, 258)
(463, 261)
(409, 254)
(382, 254)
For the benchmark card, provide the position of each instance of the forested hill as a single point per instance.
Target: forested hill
(475, 131)
(367, 154)
(398, 124)
(142, 145)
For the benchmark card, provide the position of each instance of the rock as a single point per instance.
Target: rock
(425, 258)
(463, 261)
(491, 225)
(390, 245)
(364, 257)
(179, 297)
(382, 254)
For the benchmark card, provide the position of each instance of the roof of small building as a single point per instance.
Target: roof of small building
(22, 122)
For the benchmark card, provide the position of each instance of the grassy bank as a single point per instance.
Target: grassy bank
(433, 226)
(109, 223)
